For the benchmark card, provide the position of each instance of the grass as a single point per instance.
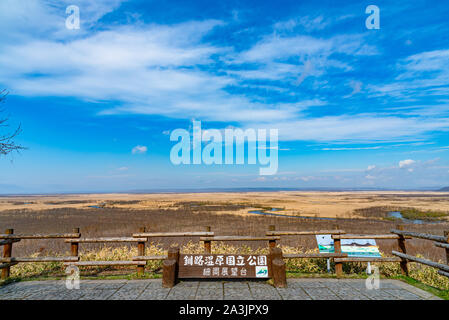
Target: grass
(195, 216)
(424, 275)
(406, 212)
(443, 294)
(123, 222)
(413, 213)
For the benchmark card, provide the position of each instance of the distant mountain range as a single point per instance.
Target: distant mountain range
(444, 189)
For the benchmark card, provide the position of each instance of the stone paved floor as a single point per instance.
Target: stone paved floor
(298, 289)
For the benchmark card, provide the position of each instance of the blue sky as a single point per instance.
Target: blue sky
(354, 107)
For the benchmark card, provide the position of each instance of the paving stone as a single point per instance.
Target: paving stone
(126, 294)
(211, 285)
(402, 294)
(321, 294)
(106, 285)
(135, 285)
(58, 295)
(188, 284)
(151, 289)
(236, 285)
(312, 284)
(88, 285)
(156, 294)
(98, 294)
(181, 293)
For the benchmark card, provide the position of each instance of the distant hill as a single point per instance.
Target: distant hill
(444, 189)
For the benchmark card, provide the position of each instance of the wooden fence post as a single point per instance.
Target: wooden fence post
(7, 251)
(338, 265)
(278, 269)
(74, 246)
(272, 243)
(170, 268)
(403, 249)
(208, 243)
(446, 234)
(141, 252)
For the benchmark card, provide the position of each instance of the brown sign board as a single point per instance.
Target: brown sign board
(210, 266)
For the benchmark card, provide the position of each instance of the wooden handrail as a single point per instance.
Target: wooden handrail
(313, 255)
(38, 259)
(441, 245)
(7, 265)
(8, 241)
(443, 273)
(145, 258)
(207, 237)
(106, 239)
(368, 259)
(173, 234)
(420, 235)
(40, 236)
(368, 236)
(238, 238)
(303, 233)
(105, 263)
(440, 266)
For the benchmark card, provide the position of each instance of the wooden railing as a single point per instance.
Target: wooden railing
(271, 232)
(8, 238)
(74, 239)
(440, 242)
(398, 234)
(207, 237)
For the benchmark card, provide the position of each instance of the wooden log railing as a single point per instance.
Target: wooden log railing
(147, 235)
(420, 235)
(422, 261)
(339, 258)
(401, 238)
(208, 240)
(8, 238)
(74, 239)
(314, 255)
(439, 241)
(97, 263)
(140, 238)
(40, 236)
(332, 255)
(106, 239)
(337, 238)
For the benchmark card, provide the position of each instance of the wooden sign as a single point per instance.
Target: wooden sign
(223, 266)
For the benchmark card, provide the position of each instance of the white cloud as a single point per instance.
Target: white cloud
(158, 69)
(307, 23)
(356, 88)
(139, 150)
(351, 148)
(421, 74)
(357, 128)
(405, 163)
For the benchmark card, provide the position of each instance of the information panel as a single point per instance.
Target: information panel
(223, 266)
(360, 248)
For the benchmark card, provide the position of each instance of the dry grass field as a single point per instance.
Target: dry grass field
(321, 204)
(226, 213)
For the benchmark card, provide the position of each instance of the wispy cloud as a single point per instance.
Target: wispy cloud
(139, 150)
(173, 71)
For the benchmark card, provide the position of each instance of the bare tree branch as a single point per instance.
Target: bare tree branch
(7, 144)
